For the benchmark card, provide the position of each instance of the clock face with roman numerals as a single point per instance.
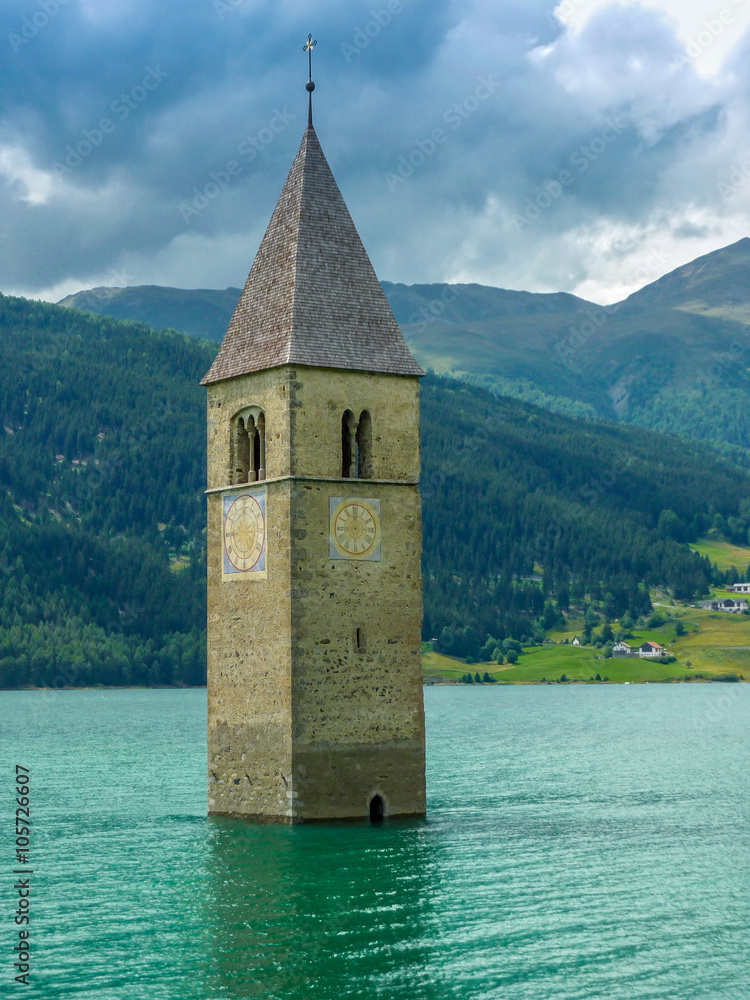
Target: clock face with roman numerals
(244, 534)
(355, 528)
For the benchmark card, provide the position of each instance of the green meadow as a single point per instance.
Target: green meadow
(723, 554)
(715, 644)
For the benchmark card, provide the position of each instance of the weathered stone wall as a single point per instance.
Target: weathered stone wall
(303, 724)
(249, 671)
(305, 405)
(363, 705)
(320, 397)
(249, 620)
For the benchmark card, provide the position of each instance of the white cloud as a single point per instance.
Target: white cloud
(707, 31)
(27, 183)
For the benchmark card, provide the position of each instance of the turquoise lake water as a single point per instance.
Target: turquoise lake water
(581, 842)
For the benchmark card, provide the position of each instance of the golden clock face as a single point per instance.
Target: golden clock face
(244, 533)
(355, 529)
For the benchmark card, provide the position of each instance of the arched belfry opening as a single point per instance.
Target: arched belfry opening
(259, 451)
(348, 446)
(356, 445)
(364, 446)
(247, 461)
(377, 809)
(241, 440)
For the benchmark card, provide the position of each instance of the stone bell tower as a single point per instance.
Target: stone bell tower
(315, 708)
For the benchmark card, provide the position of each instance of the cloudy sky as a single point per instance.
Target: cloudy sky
(586, 146)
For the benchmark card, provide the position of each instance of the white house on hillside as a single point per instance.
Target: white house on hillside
(650, 649)
(727, 604)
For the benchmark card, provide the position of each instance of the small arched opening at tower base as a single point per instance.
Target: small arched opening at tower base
(247, 460)
(348, 446)
(377, 809)
(364, 446)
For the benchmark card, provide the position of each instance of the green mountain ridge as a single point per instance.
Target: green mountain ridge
(200, 311)
(673, 356)
(719, 279)
(102, 511)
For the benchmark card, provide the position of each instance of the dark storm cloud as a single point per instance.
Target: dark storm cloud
(135, 131)
(140, 103)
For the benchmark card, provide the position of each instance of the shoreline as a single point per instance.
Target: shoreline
(426, 682)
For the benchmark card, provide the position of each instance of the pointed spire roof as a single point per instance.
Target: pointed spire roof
(312, 296)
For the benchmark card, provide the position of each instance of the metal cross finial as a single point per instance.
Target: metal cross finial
(309, 86)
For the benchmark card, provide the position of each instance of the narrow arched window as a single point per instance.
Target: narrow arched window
(348, 446)
(252, 437)
(364, 446)
(259, 448)
(241, 452)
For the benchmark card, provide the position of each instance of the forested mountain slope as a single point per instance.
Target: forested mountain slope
(673, 356)
(102, 513)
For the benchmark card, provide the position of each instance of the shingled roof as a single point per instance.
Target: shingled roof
(312, 296)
